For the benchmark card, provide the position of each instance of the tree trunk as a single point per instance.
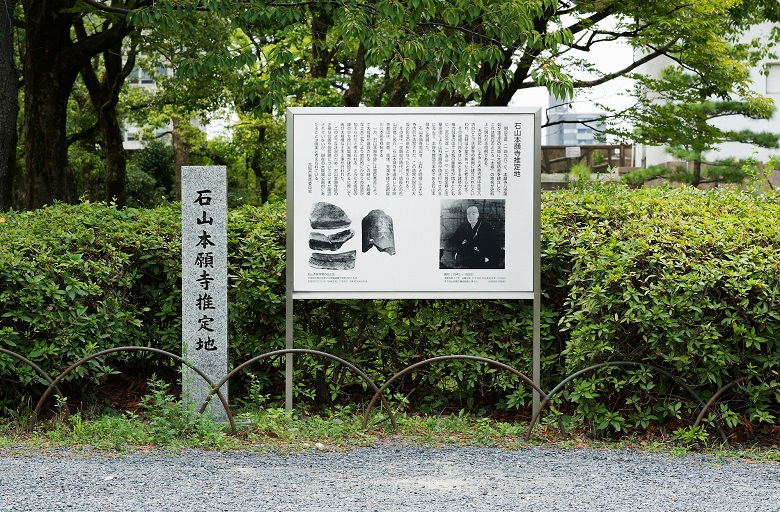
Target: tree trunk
(401, 88)
(104, 95)
(110, 127)
(696, 173)
(522, 69)
(116, 161)
(9, 104)
(321, 22)
(489, 96)
(181, 154)
(52, 61)
(48, 80)
(380, 91)
(262, 186)
(89, 173)
(261, 177)
(354, 94)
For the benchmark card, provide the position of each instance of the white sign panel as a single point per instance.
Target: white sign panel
(408, 202)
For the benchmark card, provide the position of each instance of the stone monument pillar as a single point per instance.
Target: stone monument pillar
(204, 283)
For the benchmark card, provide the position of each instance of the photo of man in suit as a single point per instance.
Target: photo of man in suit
(474, 243)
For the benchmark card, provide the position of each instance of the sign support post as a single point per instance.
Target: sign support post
(536, 356)
(290, 257)
(288, 361)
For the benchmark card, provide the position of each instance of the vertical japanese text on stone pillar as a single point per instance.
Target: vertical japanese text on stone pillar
(204, 283)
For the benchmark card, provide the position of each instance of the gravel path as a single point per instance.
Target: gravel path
(385, 478)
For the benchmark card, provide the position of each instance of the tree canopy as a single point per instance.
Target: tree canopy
(263, 55)
(456, 52)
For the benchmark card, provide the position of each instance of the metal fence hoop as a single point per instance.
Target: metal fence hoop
(40, 372)
(78, 363)
(713, 399)
(413, 367)
(574, 375)
(346, 363)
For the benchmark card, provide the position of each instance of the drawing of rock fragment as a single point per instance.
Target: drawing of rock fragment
(322, 242)
(333, 261)
(378, 232)
(328, 216)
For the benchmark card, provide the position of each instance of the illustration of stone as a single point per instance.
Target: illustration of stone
(328, 216)
(378, 232)
(322, 242)
(338, 261)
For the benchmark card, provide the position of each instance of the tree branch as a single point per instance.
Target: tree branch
(610, 76)
(106, 8)
(586, 23)
(90, 45)
(464, 30)
(84, 134)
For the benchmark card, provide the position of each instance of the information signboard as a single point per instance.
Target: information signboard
(413, 202)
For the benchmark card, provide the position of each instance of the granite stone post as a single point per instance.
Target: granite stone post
(204, 283)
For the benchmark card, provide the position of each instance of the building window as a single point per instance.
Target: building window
(145, 78)
(773, 78)
(140, 77)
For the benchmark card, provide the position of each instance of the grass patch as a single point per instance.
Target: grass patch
(269, 429)
(168, 426)
(161, 422)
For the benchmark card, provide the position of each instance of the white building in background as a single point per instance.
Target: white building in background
(767, 85)
(132, 133)
(570, 126)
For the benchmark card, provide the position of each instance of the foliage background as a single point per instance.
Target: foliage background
(681, 279)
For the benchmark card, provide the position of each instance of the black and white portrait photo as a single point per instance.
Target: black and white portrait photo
(472, 234)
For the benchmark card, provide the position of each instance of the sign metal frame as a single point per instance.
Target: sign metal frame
(532, 278)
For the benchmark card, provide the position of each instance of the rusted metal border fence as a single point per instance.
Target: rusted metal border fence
(413, 367)
(71, 368)
(378, 391)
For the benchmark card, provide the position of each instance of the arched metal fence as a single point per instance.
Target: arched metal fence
(215, 388)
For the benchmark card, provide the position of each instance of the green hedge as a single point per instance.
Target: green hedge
(77, 279)
(685, 280)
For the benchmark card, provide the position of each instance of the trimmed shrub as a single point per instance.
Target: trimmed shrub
(684, 280)
(78, 279)
(681, 279)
